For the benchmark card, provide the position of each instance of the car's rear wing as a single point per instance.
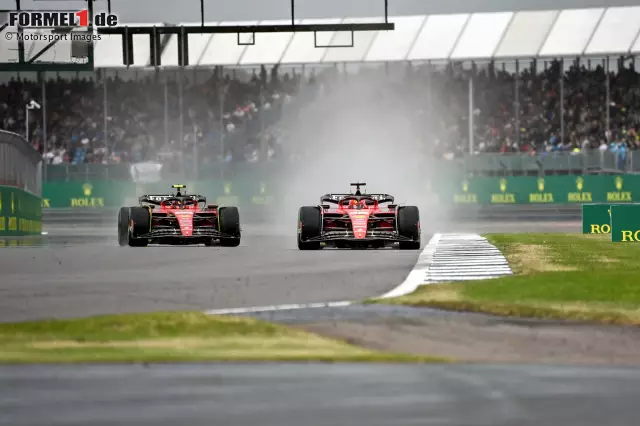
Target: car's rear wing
(157, 199)
(336, 198)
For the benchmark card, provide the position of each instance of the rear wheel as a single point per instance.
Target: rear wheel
(123, 226)
(409, 226)
(309, 226)
(141, 218)
(229, 219)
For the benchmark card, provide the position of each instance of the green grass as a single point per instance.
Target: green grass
(176, 336)
(580, 277)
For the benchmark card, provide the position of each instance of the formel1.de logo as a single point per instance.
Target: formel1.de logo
(44, 19)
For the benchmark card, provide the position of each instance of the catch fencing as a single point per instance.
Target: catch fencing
(20, 186)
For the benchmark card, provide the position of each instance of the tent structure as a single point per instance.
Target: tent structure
(595, 32)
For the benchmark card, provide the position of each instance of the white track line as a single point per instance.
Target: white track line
(445, 258)
(277, 308)
(413, 280)
(417, 274)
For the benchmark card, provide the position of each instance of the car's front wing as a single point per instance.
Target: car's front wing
(348, 235)
(175, 232)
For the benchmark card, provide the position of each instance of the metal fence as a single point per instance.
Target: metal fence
(537, 102)
(20, 163)
(586, 162)
(550, 163)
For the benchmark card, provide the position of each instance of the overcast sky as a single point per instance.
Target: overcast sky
(177, 11)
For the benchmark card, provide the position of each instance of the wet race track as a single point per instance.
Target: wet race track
(80, 275)
(75, 272)
(80, 271)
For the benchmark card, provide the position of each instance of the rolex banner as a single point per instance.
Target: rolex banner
(591, 189)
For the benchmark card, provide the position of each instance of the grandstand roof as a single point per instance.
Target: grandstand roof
(466, 36)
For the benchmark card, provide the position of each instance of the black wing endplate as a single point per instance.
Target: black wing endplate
(158, 199)
(335, 198)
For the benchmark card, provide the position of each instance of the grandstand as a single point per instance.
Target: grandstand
(511, 56)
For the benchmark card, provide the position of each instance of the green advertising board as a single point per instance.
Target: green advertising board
(596, 219)
(567, 189)
(105, 194)
(257, 190)
(625, 223)
(88, 195)
(20, 212)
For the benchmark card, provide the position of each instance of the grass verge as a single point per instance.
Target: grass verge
(556, 276)
(170, 337)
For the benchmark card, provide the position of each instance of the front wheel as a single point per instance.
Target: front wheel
(229, 224)
(309, 226)
(409, 226)
(140, 219)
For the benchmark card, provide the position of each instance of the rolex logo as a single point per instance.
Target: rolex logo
(541, 185)
(503, 185)
(619, 183)
(87, 188)
(579, 183)
(263, 187)
(227, 188)
(465, 186)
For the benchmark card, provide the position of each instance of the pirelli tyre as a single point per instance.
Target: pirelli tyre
(123, 226)
(409, 226)
(140, 224)
(309, 226)
(229, 224)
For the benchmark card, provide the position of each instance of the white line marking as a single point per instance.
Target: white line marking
(413, 280)
(277, 308)
(416, 276)
(445, 258)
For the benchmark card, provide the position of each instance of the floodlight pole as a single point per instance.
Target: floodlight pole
(44, 122)
(27, 123)
(471, 115)
(20, 38)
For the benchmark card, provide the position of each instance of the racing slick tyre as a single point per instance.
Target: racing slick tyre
(141, 218)
(309, 223)
(409, 226)
(229, 223)
(123, 226)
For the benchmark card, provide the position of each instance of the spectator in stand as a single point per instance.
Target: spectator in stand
(231, 120)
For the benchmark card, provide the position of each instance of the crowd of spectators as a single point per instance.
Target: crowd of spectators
(254, 118)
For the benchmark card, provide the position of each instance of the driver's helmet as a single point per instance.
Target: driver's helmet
(353, 204)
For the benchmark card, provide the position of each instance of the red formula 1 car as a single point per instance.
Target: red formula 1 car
(178, 219)
(358, 221)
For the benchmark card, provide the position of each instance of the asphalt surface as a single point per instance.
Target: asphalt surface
(81, 271)
(69, 274)
(314, 395)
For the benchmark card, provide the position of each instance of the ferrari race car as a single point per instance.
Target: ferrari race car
(358, 221)
(178, 219)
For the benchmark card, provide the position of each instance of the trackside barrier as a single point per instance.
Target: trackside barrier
(567, 189)
(596, 218)
(20, 187)
(625, 223)
(255, 189)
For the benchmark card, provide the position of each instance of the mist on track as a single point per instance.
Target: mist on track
(359, 129)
